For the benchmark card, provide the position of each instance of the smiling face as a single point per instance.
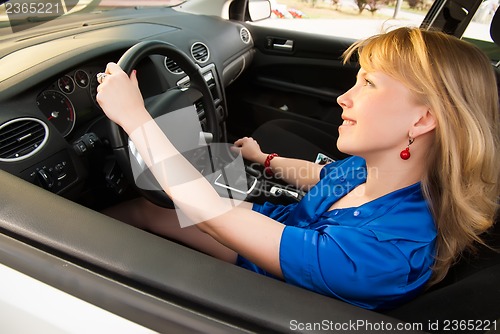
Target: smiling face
(379, 114)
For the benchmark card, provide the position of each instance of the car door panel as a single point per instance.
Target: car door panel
(294, 75)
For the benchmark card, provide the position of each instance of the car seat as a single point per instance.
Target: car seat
(295, 139)
(469, 292)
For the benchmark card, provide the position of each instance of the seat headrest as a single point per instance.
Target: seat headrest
(495, 27)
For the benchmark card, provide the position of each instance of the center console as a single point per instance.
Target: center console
(210, 75)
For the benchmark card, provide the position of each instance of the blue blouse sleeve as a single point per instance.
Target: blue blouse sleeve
(352, 264)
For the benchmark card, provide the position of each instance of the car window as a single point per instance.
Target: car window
(478, 30)
(359, 19)
(345, 18)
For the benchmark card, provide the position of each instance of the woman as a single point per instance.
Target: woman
(373, 229)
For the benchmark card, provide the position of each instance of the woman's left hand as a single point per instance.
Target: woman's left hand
(250, 149)
(119, 96)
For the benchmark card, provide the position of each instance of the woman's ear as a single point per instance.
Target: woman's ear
(426, 123)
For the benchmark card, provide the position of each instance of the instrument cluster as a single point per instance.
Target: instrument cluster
(71, 99)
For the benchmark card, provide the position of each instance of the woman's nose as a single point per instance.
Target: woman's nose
(344, 100)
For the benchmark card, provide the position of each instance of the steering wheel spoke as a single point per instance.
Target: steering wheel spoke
(173, 99)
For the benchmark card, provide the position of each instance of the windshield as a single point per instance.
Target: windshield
(23, 14)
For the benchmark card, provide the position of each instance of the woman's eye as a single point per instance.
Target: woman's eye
(368, 83)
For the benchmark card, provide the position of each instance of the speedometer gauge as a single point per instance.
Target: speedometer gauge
(58, 109)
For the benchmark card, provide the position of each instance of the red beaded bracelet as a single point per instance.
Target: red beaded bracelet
(267, 163)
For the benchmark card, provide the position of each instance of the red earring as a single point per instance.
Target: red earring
(405, 154)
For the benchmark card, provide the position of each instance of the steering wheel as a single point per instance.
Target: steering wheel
(172, 99)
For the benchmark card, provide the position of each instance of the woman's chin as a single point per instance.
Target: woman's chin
(343, 146)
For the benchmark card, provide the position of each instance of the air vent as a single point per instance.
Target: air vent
(200, 53)
(245, 35)
(172, 66)
(21, 138)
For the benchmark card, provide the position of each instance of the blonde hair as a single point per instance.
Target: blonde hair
(457, 82)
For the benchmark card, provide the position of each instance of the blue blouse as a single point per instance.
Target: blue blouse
(375, 256)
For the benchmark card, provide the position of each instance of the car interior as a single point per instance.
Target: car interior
(62, 162)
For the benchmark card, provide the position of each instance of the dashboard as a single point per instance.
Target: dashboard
(52, 131)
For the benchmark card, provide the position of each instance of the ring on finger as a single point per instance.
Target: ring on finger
(101, 76)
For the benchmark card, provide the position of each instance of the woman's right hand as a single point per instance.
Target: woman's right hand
(120, 98)
(250, 150)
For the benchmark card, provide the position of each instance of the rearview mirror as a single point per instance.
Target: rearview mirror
(259, 9)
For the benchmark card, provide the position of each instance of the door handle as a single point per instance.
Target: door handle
(279, 44)
(286, 46)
